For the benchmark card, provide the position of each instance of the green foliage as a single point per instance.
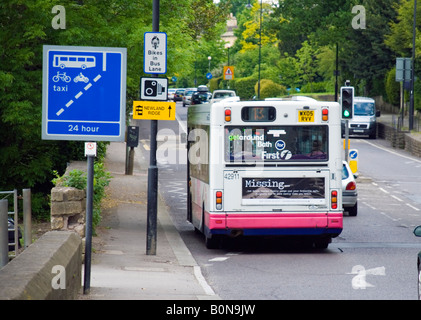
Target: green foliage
(270, 89)
(392, 88)
(315, 87)
(78, 179)
(214, 83)
(245, 87)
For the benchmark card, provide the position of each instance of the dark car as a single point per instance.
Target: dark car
(417, 232)
(179, 94)
(200, 96)
(11, 232)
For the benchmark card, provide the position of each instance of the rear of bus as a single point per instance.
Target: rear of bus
(278, 172)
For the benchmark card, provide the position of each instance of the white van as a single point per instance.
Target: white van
(363, 122)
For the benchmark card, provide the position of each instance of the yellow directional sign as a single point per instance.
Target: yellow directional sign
(153, 110)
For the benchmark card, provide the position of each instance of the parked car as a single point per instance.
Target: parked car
(187, 97)
(171, 93)
(349, 190)
(11, 233)
(179, 93)
(417, 232)
(219, 95)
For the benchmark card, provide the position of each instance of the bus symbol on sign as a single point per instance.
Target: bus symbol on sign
(71, 61)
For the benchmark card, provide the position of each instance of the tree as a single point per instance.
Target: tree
(26, 161)
(306, 62)
(251, 35)
(365, 54)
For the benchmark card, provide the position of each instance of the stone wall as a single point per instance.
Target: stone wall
(33, 274)
(411, 142)
(68, 209)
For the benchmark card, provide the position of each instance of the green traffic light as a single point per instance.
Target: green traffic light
(346, 113)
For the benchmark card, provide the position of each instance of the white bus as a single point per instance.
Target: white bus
(71, 61)
(265, 168)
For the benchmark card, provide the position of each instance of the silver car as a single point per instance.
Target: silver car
(187, 97)
(349, 190)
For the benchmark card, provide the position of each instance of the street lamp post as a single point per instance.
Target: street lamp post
(260, 44)
(411, 101)
(260, 49)
(209, 58)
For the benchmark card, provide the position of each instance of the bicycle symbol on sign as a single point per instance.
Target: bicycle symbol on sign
(61, 76)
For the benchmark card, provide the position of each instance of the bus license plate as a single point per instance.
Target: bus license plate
(305, 115)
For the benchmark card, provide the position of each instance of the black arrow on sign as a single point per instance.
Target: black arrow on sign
(169, 112)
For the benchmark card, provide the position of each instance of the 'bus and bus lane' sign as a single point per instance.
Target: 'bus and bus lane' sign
(84, 93)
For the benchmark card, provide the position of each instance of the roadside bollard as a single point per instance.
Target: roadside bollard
(27, 217)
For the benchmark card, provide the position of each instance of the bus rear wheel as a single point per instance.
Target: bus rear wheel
(212, 242)
(322, 243)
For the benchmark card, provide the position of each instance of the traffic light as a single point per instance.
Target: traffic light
(347, 102)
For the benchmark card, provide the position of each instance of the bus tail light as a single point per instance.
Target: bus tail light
(227, 115)
(334, 199)
(218, 200)
(325, 114)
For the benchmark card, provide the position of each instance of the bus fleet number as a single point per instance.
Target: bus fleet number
(232, 175)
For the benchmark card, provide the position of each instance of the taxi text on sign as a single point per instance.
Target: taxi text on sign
(153, 110)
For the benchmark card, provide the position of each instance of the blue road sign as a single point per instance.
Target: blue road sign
(209, 76)
(353, 154)
(84, 93)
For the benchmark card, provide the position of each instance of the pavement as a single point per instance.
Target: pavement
(120, 267)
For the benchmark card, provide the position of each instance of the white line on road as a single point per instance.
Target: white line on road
(369, 205)
(181, 123)
(390, 151)
(397, 198)
(391, 218)
(385, 191)
(411, 206)
(218, 259)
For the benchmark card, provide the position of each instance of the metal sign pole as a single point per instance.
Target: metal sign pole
(153, 169)
(346, 140)
(88, 220)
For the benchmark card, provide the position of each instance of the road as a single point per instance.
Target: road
(373, 258)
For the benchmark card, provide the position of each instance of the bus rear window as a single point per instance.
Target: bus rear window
(276, 144)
